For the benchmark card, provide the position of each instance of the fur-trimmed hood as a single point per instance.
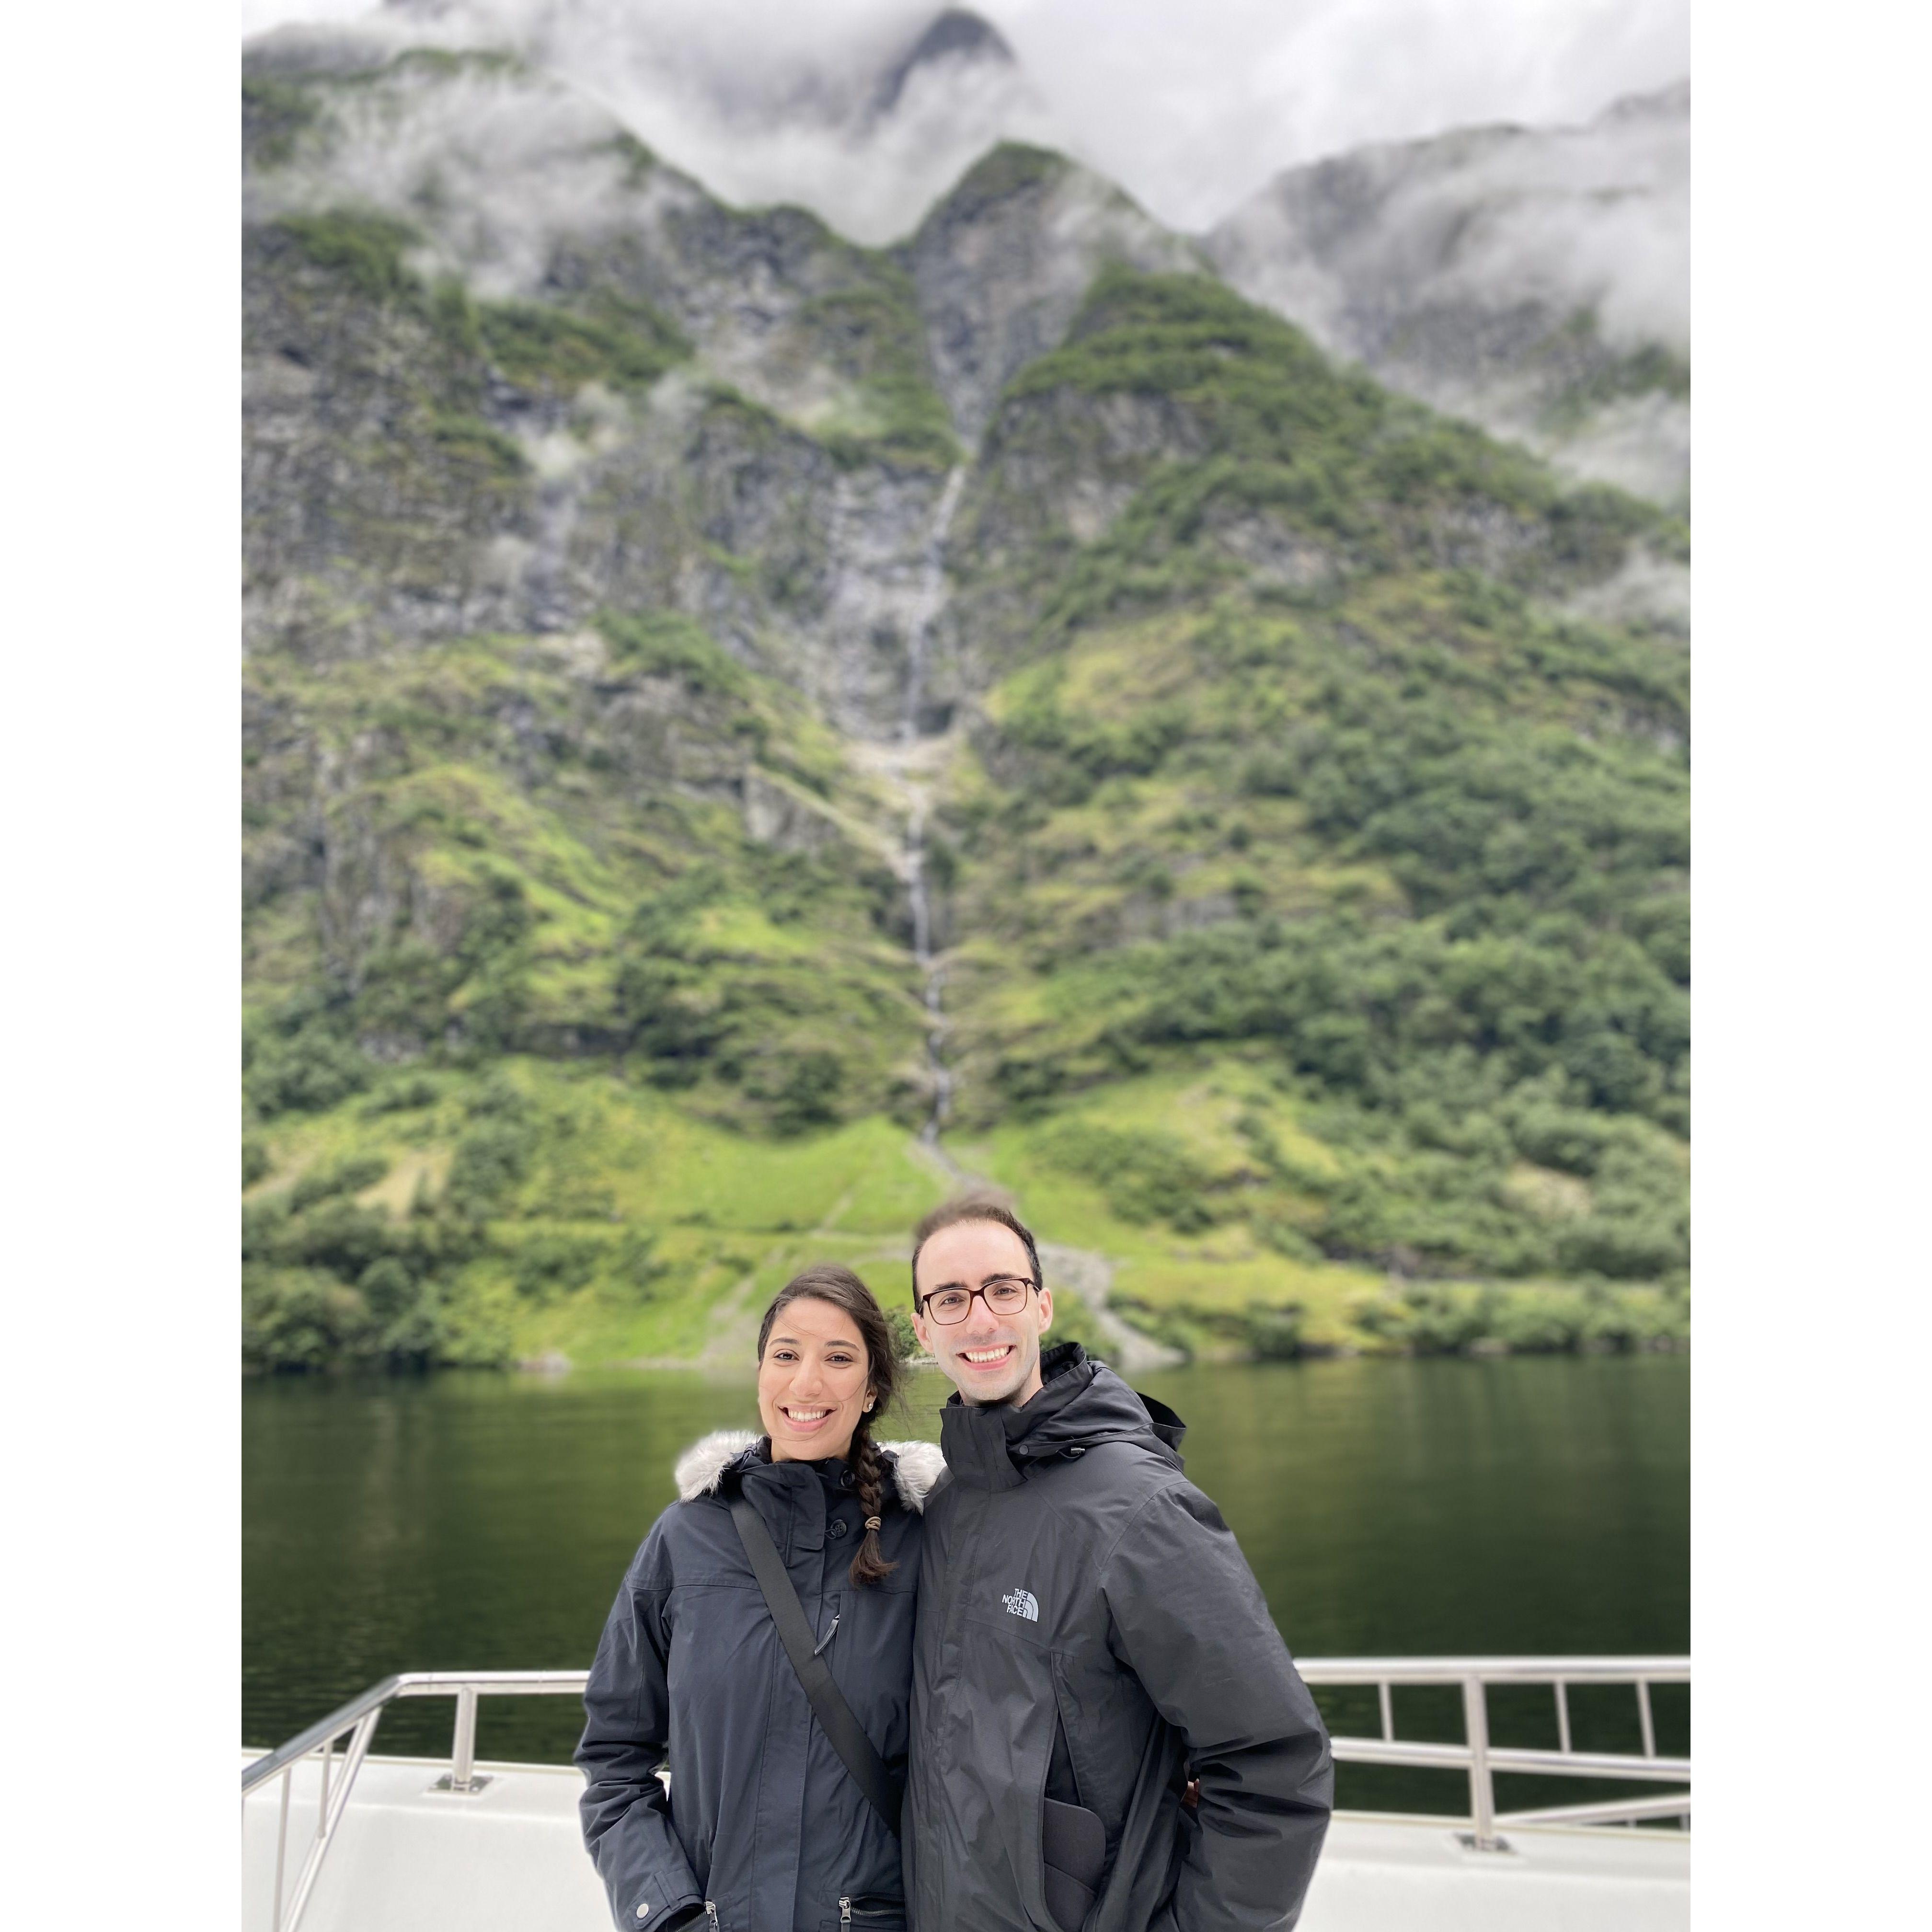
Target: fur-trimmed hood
(916, 1466)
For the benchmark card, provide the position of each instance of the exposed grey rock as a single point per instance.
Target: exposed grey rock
(364, 532)
(1002, 264)
(957, 39)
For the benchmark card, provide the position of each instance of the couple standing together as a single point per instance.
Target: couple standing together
(1048, 1639)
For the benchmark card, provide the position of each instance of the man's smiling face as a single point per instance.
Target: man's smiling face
(989, 1358)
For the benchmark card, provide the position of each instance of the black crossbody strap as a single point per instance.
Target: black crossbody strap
(835, 1719)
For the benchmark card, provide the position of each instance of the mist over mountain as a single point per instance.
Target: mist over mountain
(742, 726)
(864, 111)
(1537, 280)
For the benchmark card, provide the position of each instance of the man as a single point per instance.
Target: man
(1092, 1649)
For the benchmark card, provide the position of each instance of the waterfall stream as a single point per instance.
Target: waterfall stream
(931, 596)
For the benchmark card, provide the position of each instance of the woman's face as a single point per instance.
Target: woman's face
(812, 1381)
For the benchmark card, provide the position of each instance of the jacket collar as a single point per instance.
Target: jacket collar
(1080, 1402)
(701, 1470)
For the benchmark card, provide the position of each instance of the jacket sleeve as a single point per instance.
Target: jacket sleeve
(625, 1808)
(1189, 1621)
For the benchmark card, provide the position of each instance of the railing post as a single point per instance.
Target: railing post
(331, 1814)
(282, 1843)
(1482, 1788)
(463, 1755)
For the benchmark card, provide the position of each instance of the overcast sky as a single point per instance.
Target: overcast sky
(1192, 104)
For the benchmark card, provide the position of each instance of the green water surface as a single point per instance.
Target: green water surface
(482, 1522)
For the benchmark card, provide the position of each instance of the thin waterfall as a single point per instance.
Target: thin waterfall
(931, 595)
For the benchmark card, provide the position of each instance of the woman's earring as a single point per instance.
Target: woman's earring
(869, 1405)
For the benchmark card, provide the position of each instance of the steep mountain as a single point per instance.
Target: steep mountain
(737, 721)
(1535, 281)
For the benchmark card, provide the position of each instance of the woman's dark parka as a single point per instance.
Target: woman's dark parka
(762, 1823)
(1090, 1633)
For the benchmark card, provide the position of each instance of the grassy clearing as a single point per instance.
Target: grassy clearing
(540, 1208)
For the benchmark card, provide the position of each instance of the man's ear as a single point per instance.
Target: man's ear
(1045, 1297)
(919, 1329)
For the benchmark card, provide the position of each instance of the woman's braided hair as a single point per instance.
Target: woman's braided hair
(826, 1281)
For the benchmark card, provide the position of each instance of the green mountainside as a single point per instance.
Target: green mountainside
(686, 651)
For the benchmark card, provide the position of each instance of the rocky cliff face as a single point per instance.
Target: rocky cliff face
(505, 369)
(1535, 281)
(1001, 265)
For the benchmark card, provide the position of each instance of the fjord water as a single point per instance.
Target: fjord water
(1531, 1504)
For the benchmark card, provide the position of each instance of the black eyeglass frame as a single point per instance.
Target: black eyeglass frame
(924, 1305)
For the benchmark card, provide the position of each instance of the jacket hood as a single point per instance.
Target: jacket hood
(1080, 1403)
(699, 1471)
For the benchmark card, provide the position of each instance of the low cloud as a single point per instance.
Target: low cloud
(1594, 218)
(1190, 105)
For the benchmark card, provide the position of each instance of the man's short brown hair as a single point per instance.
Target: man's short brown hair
(973, 1208)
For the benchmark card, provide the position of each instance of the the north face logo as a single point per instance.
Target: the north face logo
(1023, 1603)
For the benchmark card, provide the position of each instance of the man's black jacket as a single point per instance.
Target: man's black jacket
(1089, 1632)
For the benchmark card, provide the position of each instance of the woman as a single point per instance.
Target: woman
(763, 1828)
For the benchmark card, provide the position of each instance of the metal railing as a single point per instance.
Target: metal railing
(353, 1727)
(1482, 1757)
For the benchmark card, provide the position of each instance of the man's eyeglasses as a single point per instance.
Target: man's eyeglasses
(1004, 1294)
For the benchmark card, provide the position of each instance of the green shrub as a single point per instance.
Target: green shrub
(666, 643)
(492, 1158)
(1273, 1334)
(547, 1265)
(1539, 1321)
(539, 347)
(346, 1177)
(255, 1161)
(1145, 1175)
(905, 1341)
(364, 248)
(309, 1071)
(806, 1091)
(301, 1319)
(1636, 1247)
(403, 1095)
(1428, 1321)
(484, 452)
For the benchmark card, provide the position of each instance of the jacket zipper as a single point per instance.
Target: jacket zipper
(711, 1913)
(844, 1911)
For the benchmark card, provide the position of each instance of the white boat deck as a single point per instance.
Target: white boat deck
(508, 1858)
